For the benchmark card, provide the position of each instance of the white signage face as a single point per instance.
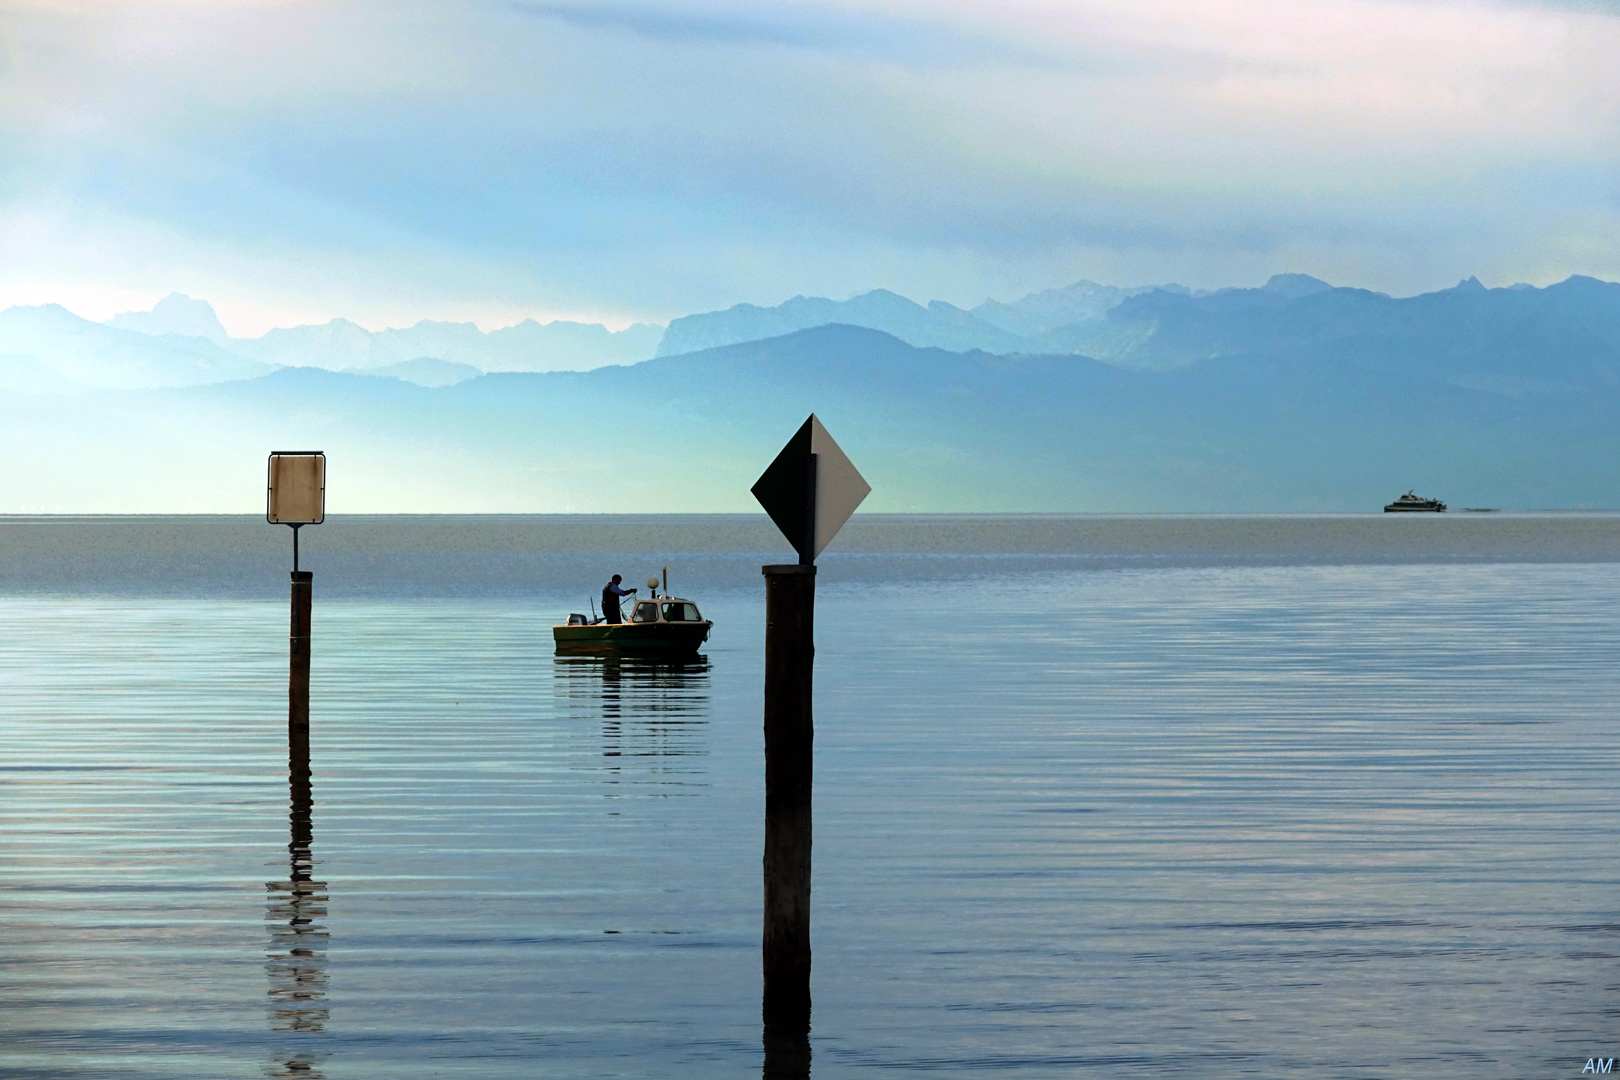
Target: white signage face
(840, 488)
(297, 488)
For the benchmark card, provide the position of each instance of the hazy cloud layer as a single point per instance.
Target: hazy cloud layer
(296, 160)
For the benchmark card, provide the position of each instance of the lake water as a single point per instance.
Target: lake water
(1094, 796)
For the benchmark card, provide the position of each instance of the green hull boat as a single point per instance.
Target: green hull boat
(665, 625)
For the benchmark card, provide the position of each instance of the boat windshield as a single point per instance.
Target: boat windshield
(682, 612)
(646, 611)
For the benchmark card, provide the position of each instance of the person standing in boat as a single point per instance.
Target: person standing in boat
(610, 599)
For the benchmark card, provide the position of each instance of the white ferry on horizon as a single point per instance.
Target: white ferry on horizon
(1410, 503)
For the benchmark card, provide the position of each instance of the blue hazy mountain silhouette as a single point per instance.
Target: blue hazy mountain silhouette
(176, 313)
(1053, 309)
(528, 346)
(1292, 398)
(50, 348)
(939, 324)
(424, 371)
(1073, 319)
(181, 342)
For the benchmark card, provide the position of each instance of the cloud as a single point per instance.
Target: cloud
(759, 24)
(868, 34)
(646, 159)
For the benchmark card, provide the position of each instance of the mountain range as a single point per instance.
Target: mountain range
(1040, 322)
(181, 341)
(1295, 396)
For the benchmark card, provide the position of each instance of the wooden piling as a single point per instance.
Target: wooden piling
(298, 663)
(790, 598)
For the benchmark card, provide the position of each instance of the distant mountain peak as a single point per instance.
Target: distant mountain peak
(1295, 286)
(1042, 312)
(91, 355)
(1468, 284)
(939, 324)
(342, 345)
(176, 313)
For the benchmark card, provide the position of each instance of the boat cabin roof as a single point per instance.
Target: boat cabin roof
(665, 604)
(665, 609)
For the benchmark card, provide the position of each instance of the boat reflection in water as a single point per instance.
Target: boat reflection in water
(654, 713)
(296, 957)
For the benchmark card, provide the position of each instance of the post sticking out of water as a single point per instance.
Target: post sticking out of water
(790, 650)
(809, 491)
(296, 496)
(298, 660)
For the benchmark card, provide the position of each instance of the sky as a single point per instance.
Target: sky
(296, 160)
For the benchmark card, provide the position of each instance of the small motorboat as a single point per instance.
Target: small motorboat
(1409, 503)
(661, 624)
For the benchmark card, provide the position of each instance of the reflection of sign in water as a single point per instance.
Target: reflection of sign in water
(296, 958)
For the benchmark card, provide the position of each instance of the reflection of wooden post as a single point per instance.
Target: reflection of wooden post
(787, 1047)
(298, 940)
(790, 600)
(298, 666)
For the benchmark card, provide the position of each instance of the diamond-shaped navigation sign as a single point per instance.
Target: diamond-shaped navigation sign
(810, 490)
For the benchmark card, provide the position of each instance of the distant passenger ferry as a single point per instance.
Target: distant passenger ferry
(1410, 502)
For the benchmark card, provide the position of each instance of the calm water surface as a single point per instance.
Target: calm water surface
(1208, 808)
